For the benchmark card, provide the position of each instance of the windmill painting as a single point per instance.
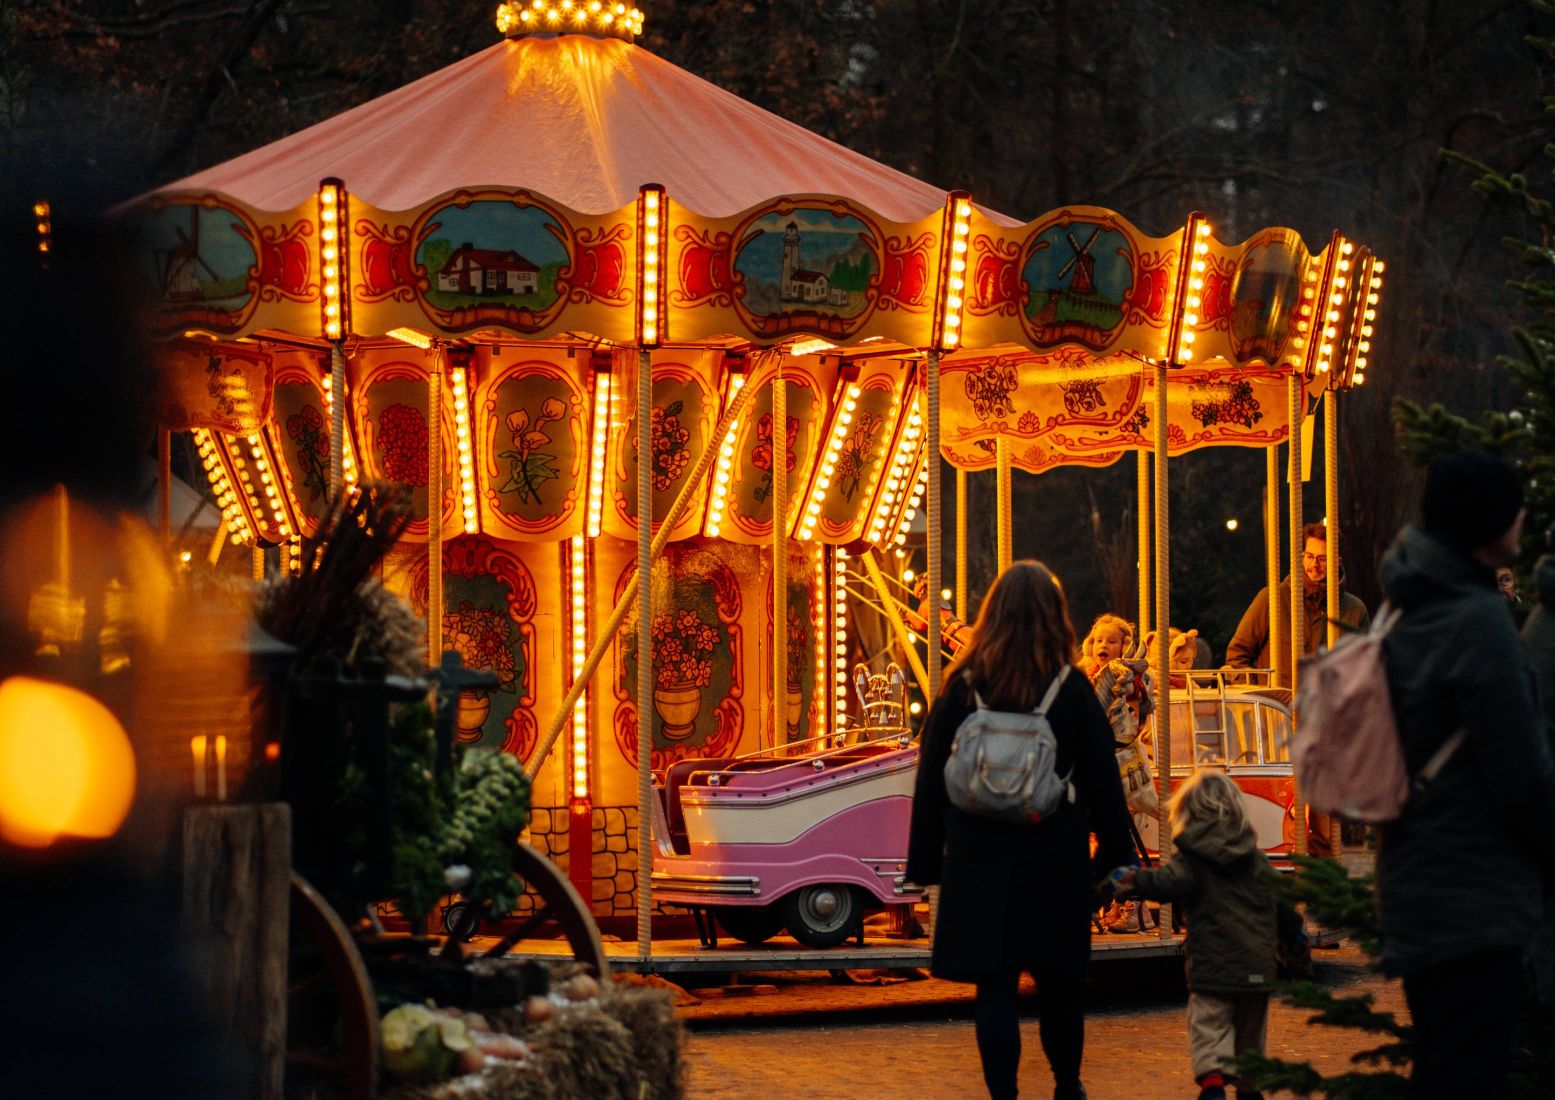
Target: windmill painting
(1078, 275)
(199, 257)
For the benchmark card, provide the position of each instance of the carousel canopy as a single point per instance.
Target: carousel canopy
(526, 210)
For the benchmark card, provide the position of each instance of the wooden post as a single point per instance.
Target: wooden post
(1006, 542)
(1142, 507)
(236, 884)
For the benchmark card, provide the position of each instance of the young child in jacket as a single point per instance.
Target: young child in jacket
(1227, 890)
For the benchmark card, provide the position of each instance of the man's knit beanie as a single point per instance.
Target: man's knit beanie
(1471, 498)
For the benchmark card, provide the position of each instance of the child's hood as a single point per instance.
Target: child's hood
(1221, 841)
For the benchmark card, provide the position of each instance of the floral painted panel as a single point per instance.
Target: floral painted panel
(489, 610)
(533, 422)
(681, 423)
(698, 681)
(750, 501)
(391, 411)
(300, 429)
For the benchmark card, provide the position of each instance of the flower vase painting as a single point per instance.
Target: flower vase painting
(799, 632)
(696, 657)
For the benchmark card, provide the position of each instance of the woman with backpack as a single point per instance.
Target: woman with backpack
(1018, 896)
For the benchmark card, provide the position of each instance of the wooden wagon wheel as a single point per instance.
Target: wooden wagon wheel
(332, 1021)
(559, 902)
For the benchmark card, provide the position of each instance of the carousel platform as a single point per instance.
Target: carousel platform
(689, 956)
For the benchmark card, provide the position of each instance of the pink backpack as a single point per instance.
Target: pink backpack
(1346, 748)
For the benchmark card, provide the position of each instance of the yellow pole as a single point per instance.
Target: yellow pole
(1298, 611)
(961, 507)
(1331, 509)
(779, 557)
(1142, 511)
(258, 563)
(434, 504)
(1163, 618)
(164, 485)
(645, 651)
(932, 522)
(903, 636)
(1006, 531)
(693, 487)
(1271, 542)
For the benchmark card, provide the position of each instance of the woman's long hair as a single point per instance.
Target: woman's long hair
(1022, 637)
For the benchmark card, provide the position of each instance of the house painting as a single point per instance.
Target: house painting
(472, 270)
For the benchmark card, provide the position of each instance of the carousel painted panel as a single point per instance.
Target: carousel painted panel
(211, 264)
(705, 597)
(529, 417)
(389, 406)
(859, 452)
(1266, 297)
(1080, 275)
(684, 413)
(805, 265)
(748, 516)
(806, 676)
(1094, 422)
(224, 387)
(493, 618)
(300, 430)
(494, 258)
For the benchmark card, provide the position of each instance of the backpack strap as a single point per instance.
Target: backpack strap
(1052, 691)
(1439, 759)
(1387, 617)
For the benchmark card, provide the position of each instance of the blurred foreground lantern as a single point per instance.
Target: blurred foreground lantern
(66, 767)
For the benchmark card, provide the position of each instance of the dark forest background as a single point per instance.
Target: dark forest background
(1314, 114)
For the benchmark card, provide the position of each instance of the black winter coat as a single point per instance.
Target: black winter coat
(1459, 872)
(1018, 897)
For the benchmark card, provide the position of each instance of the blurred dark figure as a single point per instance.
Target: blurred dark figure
(1460, 873)
(1539, 644)
(94, 1000)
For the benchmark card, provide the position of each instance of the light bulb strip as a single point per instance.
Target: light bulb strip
(459, 382)
(956, 232)
(43, 222)
(895, 489)
(1188, 295)
(650, 231)
(212, 457)
(1366, 318)
(268, 474)
(599, 445)
(839, 639)
(596, 17)
(723, 470)
(820, 698)
(334, 256)
(841, 426)
(577, 631)
(1335, 305)
(1320, 335)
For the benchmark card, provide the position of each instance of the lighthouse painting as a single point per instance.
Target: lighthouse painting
(803, 267)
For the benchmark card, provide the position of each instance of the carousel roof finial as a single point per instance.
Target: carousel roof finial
(598, 18)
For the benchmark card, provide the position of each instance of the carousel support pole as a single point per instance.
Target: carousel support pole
(1142, 511)
(1006, 531)
(434, 504)
(961, 508)
(259, 562)
(218, 542)
(779, 557)
(337, 418)
(645, 650)
(692, 488)
(1271, 541)
(932, 521)
(1161, 659)
(1298, 609)
(1331, 510)
(164, 485)
(888, 604)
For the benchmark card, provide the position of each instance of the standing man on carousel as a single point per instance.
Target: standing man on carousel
(1250, 647)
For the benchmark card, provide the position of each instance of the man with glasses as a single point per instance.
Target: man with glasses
(1250, 647)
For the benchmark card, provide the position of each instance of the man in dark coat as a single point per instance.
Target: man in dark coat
(1460, 872)
(1250, 645)
(1020, 897)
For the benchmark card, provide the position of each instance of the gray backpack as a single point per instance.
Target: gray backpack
(1003, 764)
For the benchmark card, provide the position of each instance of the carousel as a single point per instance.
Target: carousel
(666, 375)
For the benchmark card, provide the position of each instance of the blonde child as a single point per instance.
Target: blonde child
(1111, 637)
(1223, 881)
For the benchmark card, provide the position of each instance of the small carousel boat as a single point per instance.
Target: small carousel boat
(806, 836)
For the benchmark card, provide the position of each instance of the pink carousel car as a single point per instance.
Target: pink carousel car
(806, 836)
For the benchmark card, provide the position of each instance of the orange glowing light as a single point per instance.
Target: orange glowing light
(66, 767)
